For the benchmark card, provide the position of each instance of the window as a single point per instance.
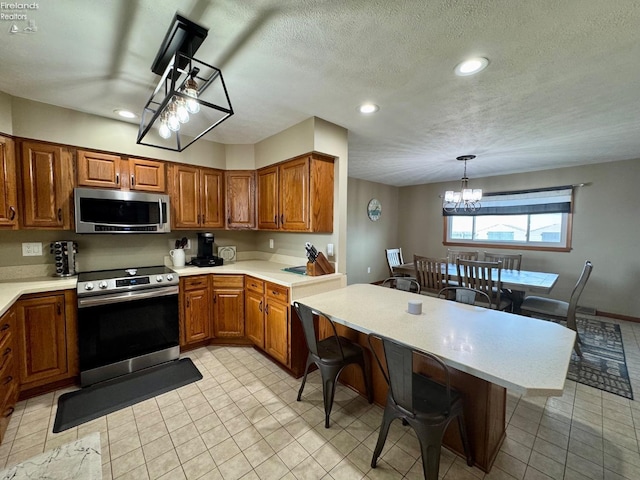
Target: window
(539, 219)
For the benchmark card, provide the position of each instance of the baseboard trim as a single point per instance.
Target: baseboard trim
(617, 316)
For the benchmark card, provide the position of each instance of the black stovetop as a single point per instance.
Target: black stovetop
(123, 273)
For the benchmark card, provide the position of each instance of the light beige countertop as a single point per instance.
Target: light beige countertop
(526, 355)
(301, 285)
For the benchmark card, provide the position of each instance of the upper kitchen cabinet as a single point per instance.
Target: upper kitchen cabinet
(297, 195)
(112, 171)
(47, 180)
(240, 199)
(197, 197)
(8, 185)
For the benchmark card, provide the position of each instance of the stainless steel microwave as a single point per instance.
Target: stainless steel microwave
(115, 211)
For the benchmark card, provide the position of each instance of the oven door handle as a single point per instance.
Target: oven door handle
(110, 299)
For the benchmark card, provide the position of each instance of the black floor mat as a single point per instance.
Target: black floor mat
(76, 408)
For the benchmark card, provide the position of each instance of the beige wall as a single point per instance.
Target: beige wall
(6, 125)
(605, 229)
(367, 240)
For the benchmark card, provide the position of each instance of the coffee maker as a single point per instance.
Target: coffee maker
(205, 257)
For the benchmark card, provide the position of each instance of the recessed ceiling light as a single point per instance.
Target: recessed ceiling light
(471, 66)
(368, 108)
(125, 113)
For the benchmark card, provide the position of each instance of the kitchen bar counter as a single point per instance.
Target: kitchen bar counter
(301, 285)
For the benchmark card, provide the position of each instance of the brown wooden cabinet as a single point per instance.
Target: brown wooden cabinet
(8, 185)
(228, 306)
(196, 309)
(254, 311)
(197, 197)
(46, 338)
(277, 323)
(240, 199)
(104, 170)
(47, 181)
(297, 195)
(8, 374)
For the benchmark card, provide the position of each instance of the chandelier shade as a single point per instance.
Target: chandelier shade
(467, 199)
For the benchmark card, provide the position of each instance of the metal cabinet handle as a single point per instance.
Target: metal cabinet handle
(215, 299)
(4, 327)
(7, 351)
(228, 219)
(133, 180)
(10, 412)
(59, 308)
(117, 179)
(273, 292)
(282, 219)
(275, 220)
(188, 302)
(8, 380)
(266, 309)
(12, 213)
(260, 306)
(60, 214)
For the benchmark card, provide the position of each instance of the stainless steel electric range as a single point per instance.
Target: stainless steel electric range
(127, 321)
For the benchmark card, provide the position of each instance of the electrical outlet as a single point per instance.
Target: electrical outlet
(33, 249)
(368, 269)
(330, 249)
(271, 243)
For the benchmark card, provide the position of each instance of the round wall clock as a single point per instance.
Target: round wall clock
(374, 209)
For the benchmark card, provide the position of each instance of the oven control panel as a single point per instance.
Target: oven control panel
(94, 287)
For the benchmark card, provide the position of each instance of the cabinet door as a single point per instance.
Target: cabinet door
(185, 197)
(241, 199)
(197, 315)
(8, 184)
(254, 318)
(147, 175)
(294, 195)
(277, 331)
(98, 169)
(268, 214)
(41, 335)
(228, 316)
(211, 198)
(47, 184)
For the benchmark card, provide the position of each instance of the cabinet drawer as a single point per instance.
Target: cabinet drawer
(278, 292)
(228, 281)
(255, 285)
(195, 282)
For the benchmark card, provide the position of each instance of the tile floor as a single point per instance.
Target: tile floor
(242, 421)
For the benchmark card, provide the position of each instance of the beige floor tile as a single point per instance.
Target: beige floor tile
(124, 446)
(127, 462)
(138, 473)
(258, 453)
(201, 466)
(153, 432)
(309, 469)
(216, 435)
(157, 447)
(190, 449)
(175, 474)
(235, 467)
(247, 437)
(272, 468)
(184, 434)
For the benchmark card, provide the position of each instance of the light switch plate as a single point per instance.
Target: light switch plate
(33, 249)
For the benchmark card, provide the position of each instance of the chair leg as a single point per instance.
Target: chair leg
(329, 379)
(577, 348)
(387, 417)
(304, 379)
(465, 439)
(430, 447)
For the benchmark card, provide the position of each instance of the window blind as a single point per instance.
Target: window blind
(541, 200)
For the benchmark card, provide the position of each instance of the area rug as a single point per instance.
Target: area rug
(603, 363)
(76, 408)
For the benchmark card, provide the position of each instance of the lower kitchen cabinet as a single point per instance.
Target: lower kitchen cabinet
(196, 309)
(254, 311)
(277, 322)
(8, 376)
(228, 306)
(46, 333)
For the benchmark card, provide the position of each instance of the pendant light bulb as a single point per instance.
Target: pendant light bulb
(163, 129)
(173, 122)
(181, 111)
(191, 90)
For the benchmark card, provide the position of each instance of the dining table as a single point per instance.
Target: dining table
(488, 352)
(518, 280)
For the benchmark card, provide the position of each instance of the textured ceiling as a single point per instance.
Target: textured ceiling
(561, 89)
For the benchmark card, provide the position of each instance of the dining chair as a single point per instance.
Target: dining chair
(422, 403)
(331, 355)
(453, 255)
(394, 258)
(402, 283)
(479, 276)
(431, 274)
(553, 309)
(509, 261)
(467, 295)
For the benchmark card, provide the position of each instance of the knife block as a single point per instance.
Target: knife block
(320, 267)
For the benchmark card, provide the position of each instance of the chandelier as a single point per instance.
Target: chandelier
(467, 199)
(191, 97)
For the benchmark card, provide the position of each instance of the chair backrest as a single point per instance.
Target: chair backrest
(431, 273)
(577, 290)
(305, 314)
(509, 261)
(399, 368)
(394, 258)
(453, 255)
(466, 295)
(402, 283)
(479, 276)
